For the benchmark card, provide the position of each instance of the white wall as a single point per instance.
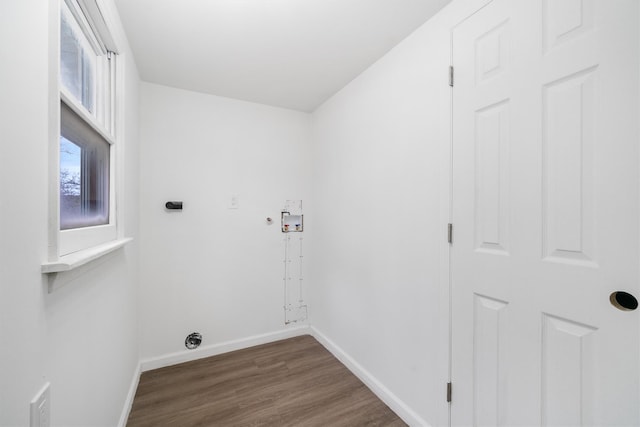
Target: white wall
(380, 189)
(208, 268)
(378, 180)
(82, 338)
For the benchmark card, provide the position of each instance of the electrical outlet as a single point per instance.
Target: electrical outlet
(234, 201)
(41, 408)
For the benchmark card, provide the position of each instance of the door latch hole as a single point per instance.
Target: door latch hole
(623, 301)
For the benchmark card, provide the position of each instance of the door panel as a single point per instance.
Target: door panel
(568, 113)
(490, 345)
(492, 178)
(568, 371)
(545, 214)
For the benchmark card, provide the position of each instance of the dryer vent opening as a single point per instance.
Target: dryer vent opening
(193, 340)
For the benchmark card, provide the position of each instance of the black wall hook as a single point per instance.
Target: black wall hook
(173, 205)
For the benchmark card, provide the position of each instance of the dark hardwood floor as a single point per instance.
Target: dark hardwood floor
(294, 382)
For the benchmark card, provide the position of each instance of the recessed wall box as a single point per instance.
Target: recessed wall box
(292, 223)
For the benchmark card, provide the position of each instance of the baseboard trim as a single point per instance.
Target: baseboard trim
(128, 403)
(391, 400)
(219, 348)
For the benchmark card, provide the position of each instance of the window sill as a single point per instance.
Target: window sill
(80, 258)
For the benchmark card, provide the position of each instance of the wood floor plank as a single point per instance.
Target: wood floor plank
(294, 382)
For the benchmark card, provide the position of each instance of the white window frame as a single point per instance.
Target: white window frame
(69, 249)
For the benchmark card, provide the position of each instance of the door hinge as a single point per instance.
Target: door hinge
(450, 233)
(451, 75)
(449, 392)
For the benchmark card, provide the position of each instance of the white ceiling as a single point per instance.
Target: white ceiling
(287, 53)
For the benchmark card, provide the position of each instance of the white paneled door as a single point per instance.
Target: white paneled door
(545, 214)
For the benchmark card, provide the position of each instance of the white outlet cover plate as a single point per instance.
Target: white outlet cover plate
(41, 408)
(234, 201)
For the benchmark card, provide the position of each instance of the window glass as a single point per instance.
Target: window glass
(84, 173)
(77, 61)
(70, 174)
